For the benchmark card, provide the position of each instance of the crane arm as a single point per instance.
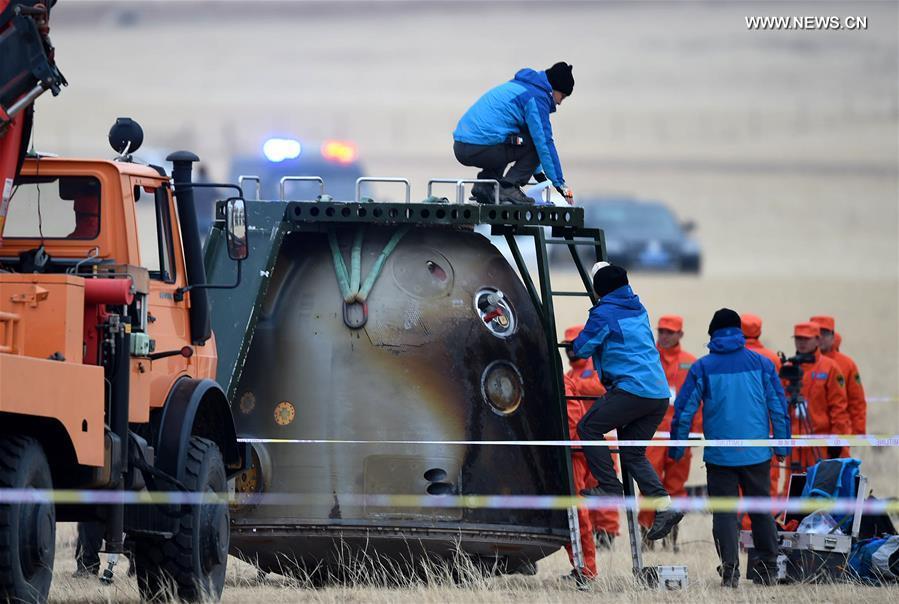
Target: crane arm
(28, 70)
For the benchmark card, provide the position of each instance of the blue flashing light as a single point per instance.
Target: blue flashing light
(279, 149)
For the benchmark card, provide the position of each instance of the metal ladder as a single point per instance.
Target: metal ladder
(543, 302)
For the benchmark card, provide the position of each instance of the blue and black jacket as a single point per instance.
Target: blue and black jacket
(618, 337)
(741, 396)
(521, 104)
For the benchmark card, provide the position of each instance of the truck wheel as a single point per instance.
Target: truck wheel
(191, 564)
(27, 530)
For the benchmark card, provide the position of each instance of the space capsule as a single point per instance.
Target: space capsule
(381, 335)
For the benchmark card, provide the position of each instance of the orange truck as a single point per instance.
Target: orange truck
(107, 366)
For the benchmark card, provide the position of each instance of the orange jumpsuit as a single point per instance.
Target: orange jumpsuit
(752, 330)
(582, 479)
(673, 474)
(855, 393)
(824, 392)
(856, 403)
(586, 383)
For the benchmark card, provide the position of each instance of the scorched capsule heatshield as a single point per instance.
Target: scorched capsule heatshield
(424, 366)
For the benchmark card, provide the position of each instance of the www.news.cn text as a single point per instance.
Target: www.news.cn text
(812, 23)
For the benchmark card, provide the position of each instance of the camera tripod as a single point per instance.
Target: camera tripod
(796, 462)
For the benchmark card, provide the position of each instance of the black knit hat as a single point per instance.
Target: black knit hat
(560, 78)
(608, 279)
(724, 317)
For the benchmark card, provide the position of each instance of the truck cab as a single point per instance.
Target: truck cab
(112, 217)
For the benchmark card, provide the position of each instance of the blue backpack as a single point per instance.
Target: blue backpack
(876, 560)
(833, 479)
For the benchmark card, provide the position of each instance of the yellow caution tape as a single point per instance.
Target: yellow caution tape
(530, 502)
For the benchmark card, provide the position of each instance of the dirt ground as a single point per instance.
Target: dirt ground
(782, 146)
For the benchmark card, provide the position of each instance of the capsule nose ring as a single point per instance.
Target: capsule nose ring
(355, 314)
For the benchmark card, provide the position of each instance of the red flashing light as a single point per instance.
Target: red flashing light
(340, 151)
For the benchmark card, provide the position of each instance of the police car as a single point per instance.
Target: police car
(335, 161)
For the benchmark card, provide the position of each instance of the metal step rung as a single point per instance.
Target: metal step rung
(555, 241)
(571, 294)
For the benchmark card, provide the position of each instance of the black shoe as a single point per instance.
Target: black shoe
(604, 539)
(730, 575)
(664, 522)
(483, 193)
(514, 195)
(581, 582)
(731, 579)
(85, 573)
(764, 574)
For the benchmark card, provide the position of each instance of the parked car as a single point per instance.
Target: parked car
(640, 235)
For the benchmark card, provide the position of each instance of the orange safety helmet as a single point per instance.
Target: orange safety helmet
(806, 330)
(751, 324)
(671, 322)
(824, 322)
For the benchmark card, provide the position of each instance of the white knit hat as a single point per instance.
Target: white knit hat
(596, 268)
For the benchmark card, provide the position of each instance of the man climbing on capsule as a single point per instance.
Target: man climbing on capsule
(510, 124)
(618, 337)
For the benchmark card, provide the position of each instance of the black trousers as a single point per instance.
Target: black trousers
(635, 418)
(493, 159)
(755, 481)
(88, 546)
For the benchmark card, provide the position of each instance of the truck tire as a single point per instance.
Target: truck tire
(27, 530)
(190, 565)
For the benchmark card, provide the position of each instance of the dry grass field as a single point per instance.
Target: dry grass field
(782, 146)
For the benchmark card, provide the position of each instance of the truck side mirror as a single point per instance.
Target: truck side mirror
(236, 229)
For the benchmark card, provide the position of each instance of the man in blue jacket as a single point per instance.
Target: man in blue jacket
(742, 397)
(510, 123)
(618, 337)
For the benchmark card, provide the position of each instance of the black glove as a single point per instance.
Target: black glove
(540, 177)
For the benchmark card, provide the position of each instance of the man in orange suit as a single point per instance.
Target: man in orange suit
(582, 479)
(855, 392)
(752, 331)
(825, 405)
